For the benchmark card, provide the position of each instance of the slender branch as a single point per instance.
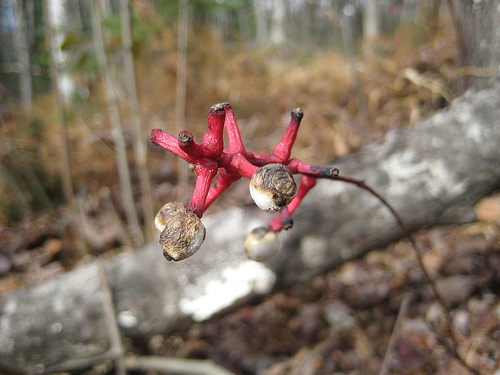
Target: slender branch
(418, 254)
(342, 22)
(404, 228)
(403, 312)
(205, 174)
(460, 41)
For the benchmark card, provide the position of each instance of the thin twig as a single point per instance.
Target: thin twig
(60, 107)
(112, 325)
(403, 312)
(174, 365)
(110, 207)
(306, 365)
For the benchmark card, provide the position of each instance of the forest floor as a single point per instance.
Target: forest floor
(373, 315)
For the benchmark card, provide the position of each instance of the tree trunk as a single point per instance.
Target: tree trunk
(60, 108)
(361, 102)
(243, 22)
(22, 48)
(476, 26)
(340, 16)
(278, 25)
(432, 174)
(58, 20)
(116, 123)
(59, 105)
(180, 97)
(371, 20)
(139, 136)
(260, 22)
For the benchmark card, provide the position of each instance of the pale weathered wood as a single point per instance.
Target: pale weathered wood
(432, 174)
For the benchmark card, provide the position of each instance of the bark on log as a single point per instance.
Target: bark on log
(432, 175)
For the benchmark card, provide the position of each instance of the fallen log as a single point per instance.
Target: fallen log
(432, 174)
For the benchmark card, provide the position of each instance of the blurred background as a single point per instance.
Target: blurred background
(83, 82)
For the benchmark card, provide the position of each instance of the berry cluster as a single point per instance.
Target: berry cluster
(272, 185)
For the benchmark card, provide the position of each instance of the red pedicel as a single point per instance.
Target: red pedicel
(210, 157)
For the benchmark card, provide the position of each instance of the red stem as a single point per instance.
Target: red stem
(189, 146)
(222, 183)
(286, 218)
(205, 173)
(238, 164)
(283, 149)
(170, 143)
(409, 235)
(306, 184)
(213, 141)
(259, 160)
(235, 144)
(296, 166)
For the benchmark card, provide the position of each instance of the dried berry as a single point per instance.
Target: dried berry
(272, 187)
(183, 232)
(262, 244)
(165, 212)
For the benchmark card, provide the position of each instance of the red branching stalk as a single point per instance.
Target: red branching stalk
(190, 147)
(170, 143)
(235, 162)
(306, 184)
(235, 144)
(232, 163)
(224, 180)
(282, 151)
(205, 173)
(213, 142)
(210, 157)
